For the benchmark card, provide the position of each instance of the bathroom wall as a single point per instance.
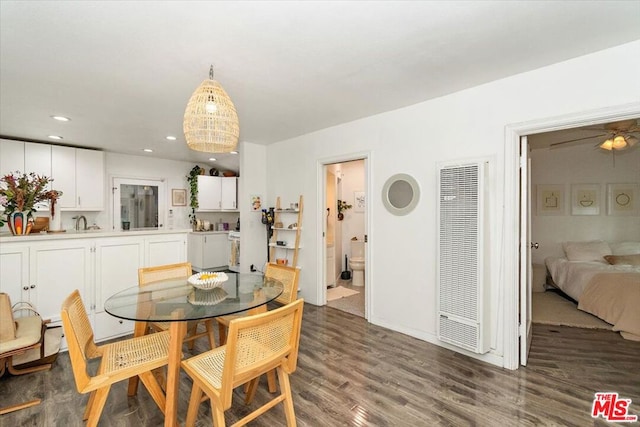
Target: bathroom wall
(353, 178)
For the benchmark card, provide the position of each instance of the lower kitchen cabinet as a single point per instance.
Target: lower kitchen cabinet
(44, 273)
(208, 250)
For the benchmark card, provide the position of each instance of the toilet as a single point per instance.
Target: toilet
(356, 263)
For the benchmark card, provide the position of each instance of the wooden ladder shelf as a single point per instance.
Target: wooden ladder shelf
(286, 230)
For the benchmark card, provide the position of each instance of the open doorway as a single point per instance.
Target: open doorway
(517, 212)
(345, 283)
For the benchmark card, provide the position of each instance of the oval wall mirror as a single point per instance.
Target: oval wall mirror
(400, 194)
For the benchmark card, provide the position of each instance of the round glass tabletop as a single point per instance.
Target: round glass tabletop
(173, 300)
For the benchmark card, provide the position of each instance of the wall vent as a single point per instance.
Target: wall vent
(462, 287)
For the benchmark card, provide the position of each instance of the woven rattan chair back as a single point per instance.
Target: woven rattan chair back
(158, 273)
(289, 277)
(79, 335)
(255, 345)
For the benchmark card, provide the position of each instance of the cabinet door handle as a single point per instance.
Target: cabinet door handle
(32, 286)
(25, 288)
(79, 204)
(120, 321)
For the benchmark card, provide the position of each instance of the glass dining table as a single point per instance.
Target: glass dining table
(177, 302)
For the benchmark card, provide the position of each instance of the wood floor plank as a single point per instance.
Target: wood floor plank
(352, 373)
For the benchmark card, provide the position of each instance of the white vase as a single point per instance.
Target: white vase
(55, 222)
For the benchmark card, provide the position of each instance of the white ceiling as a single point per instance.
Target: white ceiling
(123, 71)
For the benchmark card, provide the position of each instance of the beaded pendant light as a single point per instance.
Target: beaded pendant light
(210, 120)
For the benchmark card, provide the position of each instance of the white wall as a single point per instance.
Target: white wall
(253, 243)
(122, 165)
(581, 165)
(467, 124)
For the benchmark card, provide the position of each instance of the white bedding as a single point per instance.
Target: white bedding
(572, 277)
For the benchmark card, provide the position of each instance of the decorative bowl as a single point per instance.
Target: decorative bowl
(207, 279)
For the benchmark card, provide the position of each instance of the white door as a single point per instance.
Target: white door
(525, 251)
(228, 193)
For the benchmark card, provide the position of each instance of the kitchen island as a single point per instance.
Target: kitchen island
(44, 268)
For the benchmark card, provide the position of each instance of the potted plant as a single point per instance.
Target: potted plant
(192, 178)
(342, 206)
(19, 194)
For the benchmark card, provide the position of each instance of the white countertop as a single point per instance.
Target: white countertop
(89, 234)
(210, 232)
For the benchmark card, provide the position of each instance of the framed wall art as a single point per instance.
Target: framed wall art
(585, 199)
(550, 199)
(256, 202)
(359, 201)
(178, 197)
(622, 199)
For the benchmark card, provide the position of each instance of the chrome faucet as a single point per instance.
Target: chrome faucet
(78, 218)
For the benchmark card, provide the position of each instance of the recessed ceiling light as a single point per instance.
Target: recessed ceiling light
(61, 118)
(55, 137)
(212, 159)
(148, 150)
(171, 138)
(234, 152)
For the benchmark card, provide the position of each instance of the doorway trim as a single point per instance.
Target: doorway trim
(511, 228)
(321, 290)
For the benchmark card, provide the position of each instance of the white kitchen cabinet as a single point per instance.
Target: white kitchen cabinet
(45, 271)
(229, 193)
(63, 172)
(11, 156)
(116, 269)
(217, 193)
(37, 159)
(165, 249)
(56, 270)
(14, 272)
(79, 174)
(90, 180)
(208, 250)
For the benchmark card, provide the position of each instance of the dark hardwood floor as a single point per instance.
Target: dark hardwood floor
(351, 373)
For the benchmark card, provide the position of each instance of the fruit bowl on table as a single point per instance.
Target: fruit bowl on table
(208, 279)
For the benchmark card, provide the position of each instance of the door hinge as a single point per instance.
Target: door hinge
(366, 238)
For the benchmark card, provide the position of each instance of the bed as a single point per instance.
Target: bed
(604, 280)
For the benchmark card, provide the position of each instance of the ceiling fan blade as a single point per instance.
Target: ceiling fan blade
(577, 139)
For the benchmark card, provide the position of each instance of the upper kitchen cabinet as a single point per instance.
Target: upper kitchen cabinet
(79, 174)
(11, 156)
(216, 193)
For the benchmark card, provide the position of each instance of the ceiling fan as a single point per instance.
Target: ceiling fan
(617, 135)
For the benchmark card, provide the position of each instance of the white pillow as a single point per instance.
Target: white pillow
(587, 251)
(625, 248)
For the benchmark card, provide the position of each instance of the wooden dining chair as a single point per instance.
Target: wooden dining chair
(256, 344)
(148, 275)
(17, 337)
(288, 276)
(119, 360)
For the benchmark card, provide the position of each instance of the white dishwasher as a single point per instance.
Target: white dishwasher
(234, 251)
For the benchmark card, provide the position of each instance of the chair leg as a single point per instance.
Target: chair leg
(19, 406)
(192, 331)
(212, 340)
(97, 406)
(217, 413)
(250, 390)
(87, 409)
(150, 382)
(222, 333)
(194, 404)
(271, 381)
(285, 388)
